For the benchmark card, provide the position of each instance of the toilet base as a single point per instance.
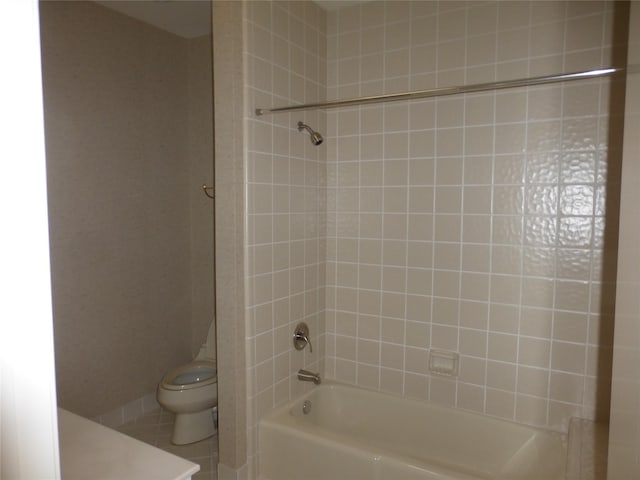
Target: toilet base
(192, 427)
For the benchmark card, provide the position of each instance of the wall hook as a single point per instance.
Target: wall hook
(206, 189)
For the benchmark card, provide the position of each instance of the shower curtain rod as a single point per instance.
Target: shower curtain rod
(442, 91)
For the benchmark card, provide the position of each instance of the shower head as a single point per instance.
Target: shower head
(316, 138)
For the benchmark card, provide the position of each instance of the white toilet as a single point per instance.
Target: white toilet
(191, 392)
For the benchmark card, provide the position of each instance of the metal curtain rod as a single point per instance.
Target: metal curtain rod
(438, 92)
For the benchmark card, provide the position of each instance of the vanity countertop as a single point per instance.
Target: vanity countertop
(91, 450)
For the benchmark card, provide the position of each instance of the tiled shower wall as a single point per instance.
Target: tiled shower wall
(286, 63)
(475, 223)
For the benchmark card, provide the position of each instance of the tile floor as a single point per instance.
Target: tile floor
(155, 429)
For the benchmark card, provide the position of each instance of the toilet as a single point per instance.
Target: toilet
(191, 391)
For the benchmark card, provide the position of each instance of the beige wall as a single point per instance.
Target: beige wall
(624, 433)
(482, 224)
(119, 183)
(230, 221)
(200, 156)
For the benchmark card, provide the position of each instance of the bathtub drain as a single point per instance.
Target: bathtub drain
(306, 407)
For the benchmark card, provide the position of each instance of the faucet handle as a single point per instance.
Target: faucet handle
(301, 337)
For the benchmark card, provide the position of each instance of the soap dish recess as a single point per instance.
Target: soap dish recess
(443, 362)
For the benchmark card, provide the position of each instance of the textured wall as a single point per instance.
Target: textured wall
(116, 108)
(482, 224)
(200, 155)
(228, 47)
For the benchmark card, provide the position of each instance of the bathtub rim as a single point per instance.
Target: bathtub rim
(336, 383)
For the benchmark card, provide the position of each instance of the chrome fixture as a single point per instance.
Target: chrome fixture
(441, 91)
(307, 376)
(301, 337)
(316, 138)
(306, 407)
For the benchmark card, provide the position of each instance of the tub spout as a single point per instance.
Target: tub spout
(307, 376)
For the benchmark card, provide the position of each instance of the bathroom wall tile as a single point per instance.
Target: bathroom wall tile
(505, 289)
(391, 381)
(476, 228)
(392, 356)
(416, 386)
(501, 376)
(447, 228)
(475, 258)
(507, 229)
(477, 170)
(503, 318)
(475, 286)
(446, 256)
(442, 391)
(470, 397)
(479, 109)
(534, 352)
(502, 347)
(473, 342)
(445, 311)
(473, 314)
(418, 334)
(508, 169)
(416, 360)
(392, 330)
(449, 171)
(488, 224)
(500, 404)
(444, 337)
(477, 200)
(544, 103)
(481, 49)
(568, 357)
(533, 381)
(538, 292)
(472, 370)
(508, 200)
(566, 387)
(531, 410)
(536, 322)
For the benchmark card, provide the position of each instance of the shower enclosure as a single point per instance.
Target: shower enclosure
(483, 225)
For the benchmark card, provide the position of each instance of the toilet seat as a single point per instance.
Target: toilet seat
(198, 373)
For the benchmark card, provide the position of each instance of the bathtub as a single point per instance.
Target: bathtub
(350, 433)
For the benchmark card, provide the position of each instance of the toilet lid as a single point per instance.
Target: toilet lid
(199, 373)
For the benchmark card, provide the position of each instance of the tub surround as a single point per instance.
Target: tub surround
(90, 450)
(483, 224)
(470, 224)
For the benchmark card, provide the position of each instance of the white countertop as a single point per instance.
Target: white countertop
(90, 450)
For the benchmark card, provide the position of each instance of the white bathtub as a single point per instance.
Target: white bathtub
(356, 434)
